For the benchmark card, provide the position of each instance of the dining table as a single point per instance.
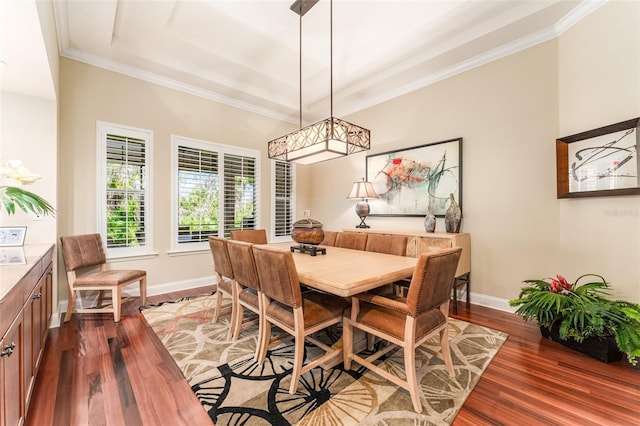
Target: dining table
(345, 272)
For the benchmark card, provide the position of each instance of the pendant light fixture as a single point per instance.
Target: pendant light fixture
(327, 139)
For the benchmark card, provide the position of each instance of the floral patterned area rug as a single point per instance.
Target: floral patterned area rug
(235, 390)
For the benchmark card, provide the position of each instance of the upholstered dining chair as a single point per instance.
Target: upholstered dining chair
(85, 251)
(329, 238)
(406, 322)
(351, 240)
(247, 287)
(255, 236)
(388, 244)
(285, 307)
(224, 270)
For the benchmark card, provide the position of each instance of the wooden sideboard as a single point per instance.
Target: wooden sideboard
(422, 242)
(25, 313)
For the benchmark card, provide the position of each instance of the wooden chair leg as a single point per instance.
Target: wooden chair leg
(347, 342)
(410, 364)
(446, 351)
(71, 303)
(143, 290)
(216, 314)
(238, 313)
(261, 352)
(117, 302)
(297, 362)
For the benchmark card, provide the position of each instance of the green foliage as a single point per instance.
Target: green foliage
(582, 311)
(12, 197)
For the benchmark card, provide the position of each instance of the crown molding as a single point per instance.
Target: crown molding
(137, 73)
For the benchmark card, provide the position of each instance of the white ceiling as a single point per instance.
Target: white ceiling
(245, 52)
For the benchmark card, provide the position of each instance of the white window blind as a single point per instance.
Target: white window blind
(284, 199)
(239, 193)
(215, 191)
(198, 190)
(123, 185)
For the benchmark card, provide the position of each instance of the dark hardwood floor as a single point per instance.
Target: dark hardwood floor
(95, 372)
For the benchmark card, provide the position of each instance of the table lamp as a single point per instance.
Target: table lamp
(362, 190)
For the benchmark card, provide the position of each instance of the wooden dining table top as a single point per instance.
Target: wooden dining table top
(345, 272)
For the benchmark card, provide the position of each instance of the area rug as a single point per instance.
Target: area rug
(235, 390)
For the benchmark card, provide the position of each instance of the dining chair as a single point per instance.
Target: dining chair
(285, 307)
(329, 238)
(388, 244)
(247, 287)
(226, 279)
(255, 236)
(351, 240)
(406, 322)
(85, 251)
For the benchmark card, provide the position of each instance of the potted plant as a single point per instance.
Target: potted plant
(13, 173)
(581, 313)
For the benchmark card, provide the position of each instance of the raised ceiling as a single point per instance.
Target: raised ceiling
(245, 52)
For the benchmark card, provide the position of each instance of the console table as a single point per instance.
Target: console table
(422, 242)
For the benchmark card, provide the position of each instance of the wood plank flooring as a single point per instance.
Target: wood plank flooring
(96, 372)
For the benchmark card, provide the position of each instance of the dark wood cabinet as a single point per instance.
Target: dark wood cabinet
(25, 313)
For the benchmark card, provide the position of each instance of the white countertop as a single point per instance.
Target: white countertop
(10, 274)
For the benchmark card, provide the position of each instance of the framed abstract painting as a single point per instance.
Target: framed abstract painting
(410, 180)
(599, 162)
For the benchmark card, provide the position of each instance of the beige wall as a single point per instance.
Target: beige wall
(599, 83)
(89, 94)
(509, 114)
(506, 113)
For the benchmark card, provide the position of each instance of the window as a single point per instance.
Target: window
(215, 191)
(283, 189)
(123, 186)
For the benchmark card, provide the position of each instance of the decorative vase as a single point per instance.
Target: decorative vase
(452, 216)
(603, 349)
(430, 220)
(307, 231)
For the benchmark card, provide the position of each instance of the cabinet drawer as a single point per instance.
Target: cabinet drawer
(10, 306)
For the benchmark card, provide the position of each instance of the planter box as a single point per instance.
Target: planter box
(602, 349)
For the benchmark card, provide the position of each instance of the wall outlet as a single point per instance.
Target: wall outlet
(306, 213)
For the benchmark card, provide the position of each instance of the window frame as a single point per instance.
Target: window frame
(274, 170)
(102, 130)
(221, 149)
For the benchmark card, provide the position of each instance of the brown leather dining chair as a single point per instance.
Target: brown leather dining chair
(285, 307)
(224, 271)
(388, 244)
(406, 322)
(329, 238)
(255, 236)
(85, 251)
(351, 240)
(247, 286)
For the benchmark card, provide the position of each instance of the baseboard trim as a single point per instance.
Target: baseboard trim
(491, 302)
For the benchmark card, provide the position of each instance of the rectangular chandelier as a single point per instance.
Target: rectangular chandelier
(325, 140)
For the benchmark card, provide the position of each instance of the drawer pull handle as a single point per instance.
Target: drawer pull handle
(37, 296)
(8, 349)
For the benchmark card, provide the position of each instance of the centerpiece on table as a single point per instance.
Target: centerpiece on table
(12, 174)
(581, 316)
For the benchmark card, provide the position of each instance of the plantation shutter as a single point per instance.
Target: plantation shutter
(284, 198)
(125, 188)
(198, 191)
(240, 184)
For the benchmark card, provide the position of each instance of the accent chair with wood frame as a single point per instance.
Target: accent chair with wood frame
(85, 251)
(406, 322)
(285, 307)
(351, 240)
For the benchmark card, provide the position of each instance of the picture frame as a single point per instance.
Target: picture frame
(599, 162)
(12, 256)
(410, 180)
(12, 236)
